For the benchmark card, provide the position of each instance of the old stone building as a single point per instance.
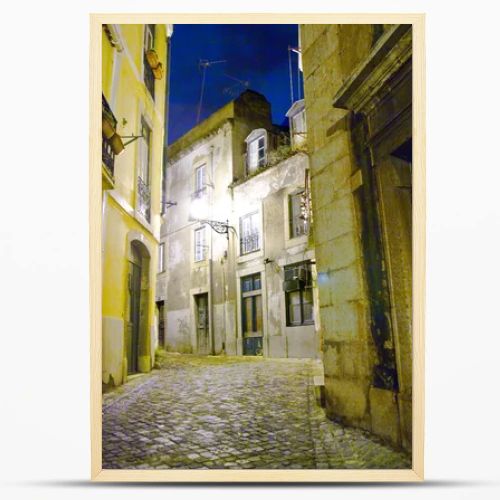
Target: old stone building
(358, 96)
(239, 274)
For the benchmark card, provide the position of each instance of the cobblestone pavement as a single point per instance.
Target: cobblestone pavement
(231, 413)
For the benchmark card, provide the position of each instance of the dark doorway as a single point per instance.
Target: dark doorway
(134, 320)
(161, 323)
(202, 328)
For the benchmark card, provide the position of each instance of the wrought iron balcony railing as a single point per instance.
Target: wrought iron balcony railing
(249, 243)
(144, 199)
(300, 226)
(199, 193)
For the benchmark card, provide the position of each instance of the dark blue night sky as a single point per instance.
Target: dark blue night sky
(257, 53)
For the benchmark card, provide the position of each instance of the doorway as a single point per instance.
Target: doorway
(135, 317)
(137, 341)
(202, 323)
(251, 308)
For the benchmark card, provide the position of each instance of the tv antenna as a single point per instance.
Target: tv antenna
(233, 89)
(203, 65)
(297, 51)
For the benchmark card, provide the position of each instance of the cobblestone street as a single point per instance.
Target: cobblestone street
(231, 413)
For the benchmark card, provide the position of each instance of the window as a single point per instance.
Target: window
(143, 189)
(199, 181)
(161, 258)
(251, 297)
(256, 153)
(299, 125)
(149, 79)
(145, 152)
(297, 214)
(298, 294)
(199, 244)
(249, 233)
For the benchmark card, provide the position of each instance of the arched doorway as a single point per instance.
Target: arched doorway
(137, 341)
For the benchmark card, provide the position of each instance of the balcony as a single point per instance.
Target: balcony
(109, 148)
(249, 243)
(199, 193)
(143, 199)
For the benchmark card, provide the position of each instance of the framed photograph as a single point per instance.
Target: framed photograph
(257, 244)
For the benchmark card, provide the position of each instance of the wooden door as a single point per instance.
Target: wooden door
(202, 327)
(134, 320)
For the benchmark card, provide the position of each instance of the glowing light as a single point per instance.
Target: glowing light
(198, 209)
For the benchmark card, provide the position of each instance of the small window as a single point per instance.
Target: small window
(199, 180)
(161, 258)
(297, 215)
(256, 153)
(298, 294)
(199, 244)
(250, 283)
(299, 124)
(249, 233)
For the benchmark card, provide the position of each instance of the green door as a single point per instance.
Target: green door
(135, 314)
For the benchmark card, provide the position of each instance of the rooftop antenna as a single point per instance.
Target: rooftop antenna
(290, 71)
(204, 64)
(233, 89)
(298, 51)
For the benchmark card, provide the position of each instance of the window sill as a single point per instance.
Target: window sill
(296, 241)
(200, 263)
(250, 256)
(303, 325)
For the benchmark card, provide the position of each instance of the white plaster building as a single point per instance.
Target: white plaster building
(239, 263)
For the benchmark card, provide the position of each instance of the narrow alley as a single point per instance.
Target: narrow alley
(222, 412)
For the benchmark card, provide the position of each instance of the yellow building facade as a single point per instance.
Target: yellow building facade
(134, 78)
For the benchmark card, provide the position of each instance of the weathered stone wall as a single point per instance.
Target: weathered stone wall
(361, 233)
(329, 54)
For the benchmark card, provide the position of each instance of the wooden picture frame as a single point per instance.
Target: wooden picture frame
(416, 473)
